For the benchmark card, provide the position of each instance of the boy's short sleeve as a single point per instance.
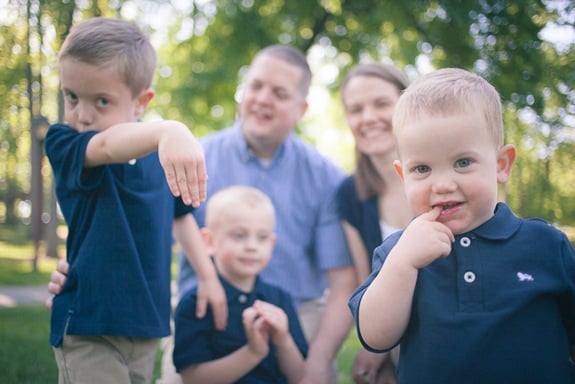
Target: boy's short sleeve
(191, 340)
(66, 150)
(181, 209)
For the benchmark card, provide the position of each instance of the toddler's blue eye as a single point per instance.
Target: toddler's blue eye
(462, 163)
(422, 169)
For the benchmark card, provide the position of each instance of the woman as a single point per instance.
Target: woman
(372, 203)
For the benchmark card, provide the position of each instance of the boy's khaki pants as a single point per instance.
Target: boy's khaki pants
(106, 359)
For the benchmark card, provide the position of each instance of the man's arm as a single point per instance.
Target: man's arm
(210, 289)
(335, 325)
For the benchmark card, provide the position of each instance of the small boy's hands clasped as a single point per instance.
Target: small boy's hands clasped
(182, 158)
(425, 240)
(263, 321)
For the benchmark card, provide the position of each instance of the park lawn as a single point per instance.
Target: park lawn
(16, 253)
(26, 356)
(19, 272)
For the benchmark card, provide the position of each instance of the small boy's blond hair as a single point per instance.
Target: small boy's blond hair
(447, 92)
(103, 41)
(228, 199)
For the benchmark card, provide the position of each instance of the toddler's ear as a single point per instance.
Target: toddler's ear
(398, 168)
(143, 100)
(505, 159)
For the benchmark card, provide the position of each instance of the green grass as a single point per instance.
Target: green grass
(26, 356)
(20, 272)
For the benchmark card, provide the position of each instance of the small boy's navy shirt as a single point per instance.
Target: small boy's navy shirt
(119, 218)
(197, 341)
(499, 309)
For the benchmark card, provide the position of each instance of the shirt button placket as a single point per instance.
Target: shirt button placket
(468, 276)
(469, 284)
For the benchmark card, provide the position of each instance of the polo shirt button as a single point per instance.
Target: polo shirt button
(465, 241)
(469, 277)
(242, 298)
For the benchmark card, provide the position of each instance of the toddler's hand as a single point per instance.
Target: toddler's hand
(424, 240)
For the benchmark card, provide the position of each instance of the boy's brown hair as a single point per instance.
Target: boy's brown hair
(112, 42)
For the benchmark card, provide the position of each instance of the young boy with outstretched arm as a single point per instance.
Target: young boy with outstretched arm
(471, 292)
(115, 177)
(263, 342)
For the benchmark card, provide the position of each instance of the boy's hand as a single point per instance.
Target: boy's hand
(57, 280)
(366, 366)
(182, 158)
(58, 277)
(275, 319)
(257, 332)
(424, 240)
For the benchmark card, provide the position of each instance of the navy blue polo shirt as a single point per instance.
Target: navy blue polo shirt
(499, 309)
(197, 341)
(119, 243)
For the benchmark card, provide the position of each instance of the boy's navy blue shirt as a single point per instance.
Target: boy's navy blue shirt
(197, 341)
(499, 309)
(119, 219)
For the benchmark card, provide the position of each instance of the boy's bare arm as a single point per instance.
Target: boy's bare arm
(210, 289)
(423, 241)
(181, 155)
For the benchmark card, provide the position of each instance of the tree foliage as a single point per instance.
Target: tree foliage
(205, 46)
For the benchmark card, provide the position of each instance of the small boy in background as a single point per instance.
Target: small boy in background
(263, 341)
(115, 177)
(471, 292)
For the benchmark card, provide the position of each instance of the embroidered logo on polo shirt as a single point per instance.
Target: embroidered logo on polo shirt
(524, 276)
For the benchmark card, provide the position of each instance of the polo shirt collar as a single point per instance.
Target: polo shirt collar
(246, 154)
(501, 226)
(233, 294)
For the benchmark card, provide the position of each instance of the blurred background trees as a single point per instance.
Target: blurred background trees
(525, 49)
